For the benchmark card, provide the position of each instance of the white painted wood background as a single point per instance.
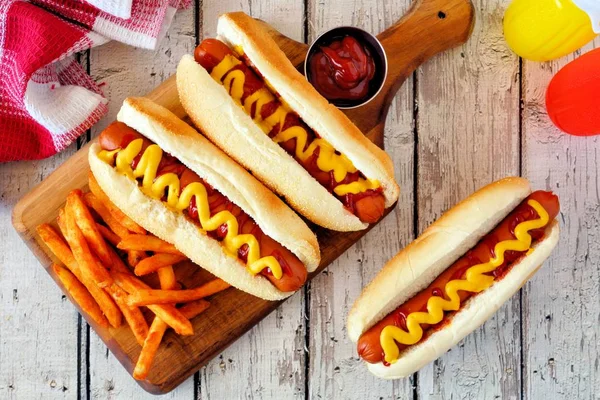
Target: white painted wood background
(467, 117)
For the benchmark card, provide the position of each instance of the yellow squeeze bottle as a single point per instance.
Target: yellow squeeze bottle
(543, 30)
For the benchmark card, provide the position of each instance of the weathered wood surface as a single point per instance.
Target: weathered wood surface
(125, 71)
(334, 369)
(541, 346)
(468, 136)
(38, 327)
(271, 356)
(561, 304)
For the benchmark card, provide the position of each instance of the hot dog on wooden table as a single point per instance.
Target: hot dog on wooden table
(177, 185)
(246, 96)
(453, 277)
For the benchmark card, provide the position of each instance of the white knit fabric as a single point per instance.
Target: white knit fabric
(118, 8)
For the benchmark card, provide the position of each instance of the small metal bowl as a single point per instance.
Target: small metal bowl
(375, 48)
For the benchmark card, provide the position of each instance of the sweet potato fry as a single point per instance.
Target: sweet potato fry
(80, 294)
(156, 262)
(134, 317)
(108, 235)
(56, 244)
(81, 251)
(168, 313)
(154, 338)
(157, 329)
(117, 264)
(149, 348)
(166, 276)
(113, 209)
(144, 297)
(193, 308)
(103, 212)
(147, 243)
(172, 317)
(87, 225)
(135, 256)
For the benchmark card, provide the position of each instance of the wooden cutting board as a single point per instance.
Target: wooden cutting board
(428, 28)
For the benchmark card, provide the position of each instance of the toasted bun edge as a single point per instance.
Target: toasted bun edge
(474, 314)
(239, 29)
(217, 115)
(176, 137)
(174, 228)
(439, 246)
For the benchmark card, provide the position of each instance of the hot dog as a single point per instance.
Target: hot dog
(118, 135)
(465, 291)
(248, 99)
(368, 206)
(177, 185)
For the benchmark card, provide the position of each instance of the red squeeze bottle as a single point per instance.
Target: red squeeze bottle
(573, 96)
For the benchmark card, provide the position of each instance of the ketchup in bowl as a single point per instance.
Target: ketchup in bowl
(342, 70)
(347, 66)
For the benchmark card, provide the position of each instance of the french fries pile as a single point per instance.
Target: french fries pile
(105, 287)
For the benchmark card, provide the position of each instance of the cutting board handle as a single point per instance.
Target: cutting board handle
(428, 28)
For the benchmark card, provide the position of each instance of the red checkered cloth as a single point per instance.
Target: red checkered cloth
(46, 98)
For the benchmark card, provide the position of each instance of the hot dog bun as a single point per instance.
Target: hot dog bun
(211, 108)
(440, 245)
(197, 153)
(472, 315)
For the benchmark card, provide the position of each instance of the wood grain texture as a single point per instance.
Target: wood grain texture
(468, 129)
(271, 355)
(335, 372)
(233, 312)
(38, 325)
(561, 304)
(125, 71)
(466, 107)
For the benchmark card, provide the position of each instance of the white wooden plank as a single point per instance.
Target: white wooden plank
(126, 71)
(335, 370)
(468, 127)
(38, 326)
(468, 110)
(267, 362)
(561, 304)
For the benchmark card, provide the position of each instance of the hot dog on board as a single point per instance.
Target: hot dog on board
(246, 96)
(176, 184)
(453, 277)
